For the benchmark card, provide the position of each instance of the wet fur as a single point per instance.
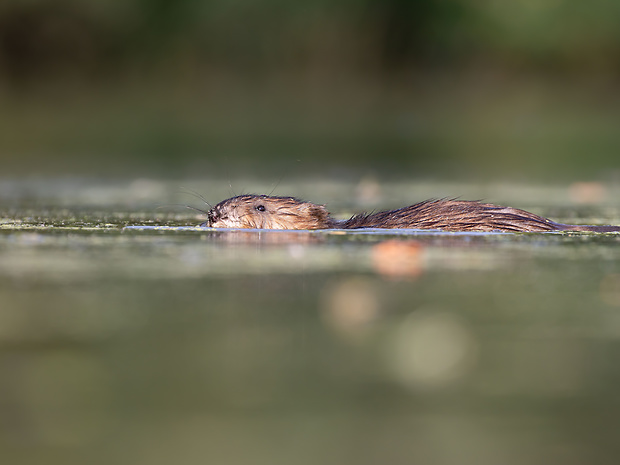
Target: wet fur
(270, 212)
(243, 211)
(454, 215)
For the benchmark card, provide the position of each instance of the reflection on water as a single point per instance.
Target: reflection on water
(432, 349)
(149, 346)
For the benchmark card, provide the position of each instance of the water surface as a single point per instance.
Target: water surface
(129, 335)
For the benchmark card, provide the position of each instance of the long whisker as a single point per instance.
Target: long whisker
(197, 209)
(205, 212)
(276, 185)
(196, 194)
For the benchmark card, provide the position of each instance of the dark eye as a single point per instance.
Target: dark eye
(260, 208)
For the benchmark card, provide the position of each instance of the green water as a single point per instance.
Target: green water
(124, 343)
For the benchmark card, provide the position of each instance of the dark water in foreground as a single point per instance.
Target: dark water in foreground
(157, 346)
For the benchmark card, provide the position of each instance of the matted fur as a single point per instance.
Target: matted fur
(271, 212)
(454, 215)
(267, 212)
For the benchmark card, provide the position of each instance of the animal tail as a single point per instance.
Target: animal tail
(587, 227)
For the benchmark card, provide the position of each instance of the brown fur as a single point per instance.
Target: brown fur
(269, 212)
(243, 211)
(454, 215)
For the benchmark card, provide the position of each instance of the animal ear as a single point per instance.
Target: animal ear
(320, 213)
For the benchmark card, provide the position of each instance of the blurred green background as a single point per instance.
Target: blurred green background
(467, 89)
(121, 345)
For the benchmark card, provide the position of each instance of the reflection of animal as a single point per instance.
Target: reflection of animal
(269, 212)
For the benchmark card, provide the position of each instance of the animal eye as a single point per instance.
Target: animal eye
(260, 208)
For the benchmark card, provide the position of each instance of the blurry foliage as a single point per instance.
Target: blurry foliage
(97, 36)
(437, 84)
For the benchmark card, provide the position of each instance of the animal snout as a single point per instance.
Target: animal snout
(213, 216)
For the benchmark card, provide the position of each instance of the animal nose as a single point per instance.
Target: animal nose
(213, 216)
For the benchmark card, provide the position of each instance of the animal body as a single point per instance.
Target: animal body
(274, 212)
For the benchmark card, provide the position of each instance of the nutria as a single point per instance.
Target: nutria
(271, 212)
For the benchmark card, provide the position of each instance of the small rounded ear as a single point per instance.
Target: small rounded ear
(320, 215)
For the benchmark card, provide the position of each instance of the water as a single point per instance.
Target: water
(128, 335)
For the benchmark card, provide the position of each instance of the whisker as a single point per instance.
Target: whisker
(204, 212)
(276, 185)
(195, 194)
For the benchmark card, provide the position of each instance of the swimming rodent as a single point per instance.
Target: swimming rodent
(271, 212)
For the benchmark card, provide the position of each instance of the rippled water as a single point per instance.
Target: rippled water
(128, 335)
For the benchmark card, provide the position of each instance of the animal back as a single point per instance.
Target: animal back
(454, 215)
